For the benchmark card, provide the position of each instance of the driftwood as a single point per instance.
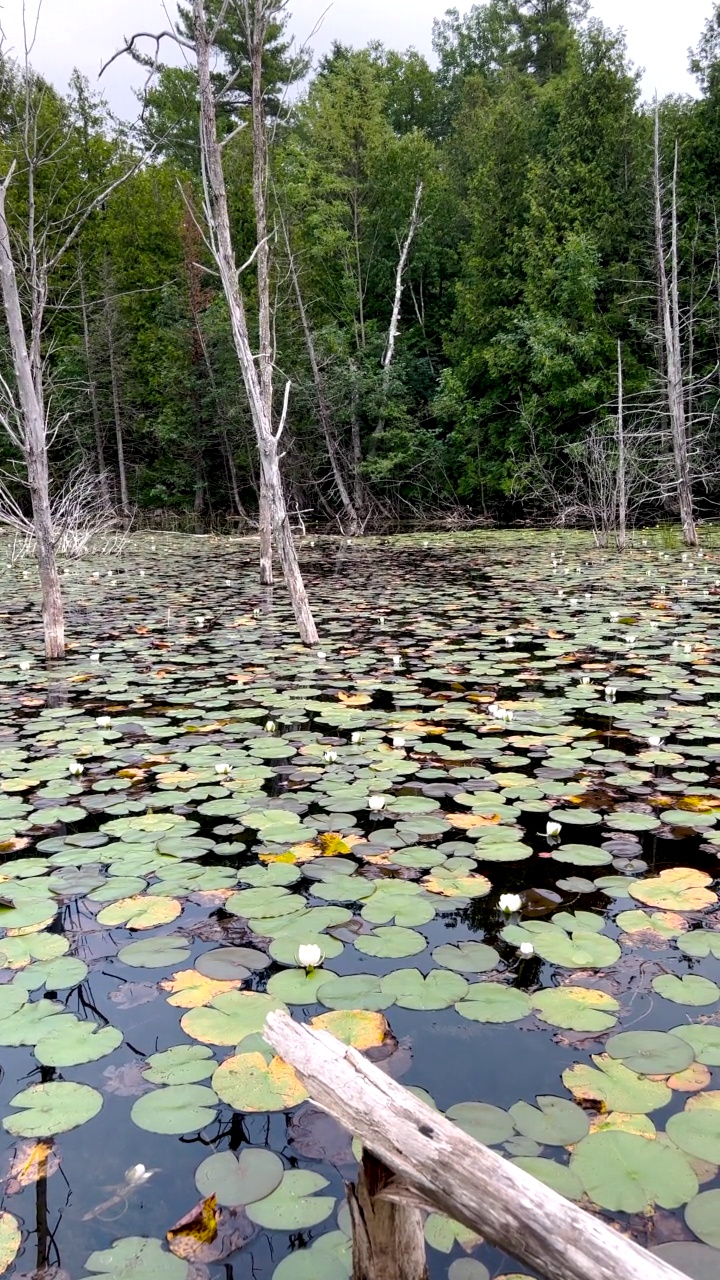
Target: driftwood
(448, 1170)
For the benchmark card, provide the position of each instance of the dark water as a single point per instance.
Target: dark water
(446, 610)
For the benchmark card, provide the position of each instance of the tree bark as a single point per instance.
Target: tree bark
(621, 536)
(92, 392)
(670, 307)
(388, 1237)
(399, 280)
(32, 441)
(258, 382)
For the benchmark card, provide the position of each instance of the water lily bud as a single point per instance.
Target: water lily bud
(103, 722)
(610, 693)
(355, 738)
(223, 769)
(330, 756)
(142, 573)
(526, 949)
(270, 726)
(552, 829)
(654, 740)
(95, 657)
(309, 956)
(200, 622)
(75, 769)
(138, 1173)
(585, 680)
(614, 615)
(320, 653)
(396, 659)
(509, 903)
(510, 641)
(398, 740)
(376, 802)
(24, 666)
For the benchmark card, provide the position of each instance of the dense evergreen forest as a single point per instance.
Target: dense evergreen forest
(460, 254)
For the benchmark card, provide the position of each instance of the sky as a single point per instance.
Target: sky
(84, 33)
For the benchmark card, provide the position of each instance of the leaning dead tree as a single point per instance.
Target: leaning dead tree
(400, 282)
(257, 368)
(32, 249)
(669, 305)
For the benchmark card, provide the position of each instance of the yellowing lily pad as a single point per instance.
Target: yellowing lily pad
(140, 912)
(576, 1008)
(248, 1082)
(191, 990)
(360, 1028)
(614, 1084)
(10, 1240)
(675, 889)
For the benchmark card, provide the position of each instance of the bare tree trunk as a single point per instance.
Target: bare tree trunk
(92, 391)
(115, 388)
(670, 304)
(351, 514)
(232, 475)
(258, 381)
(621, 535)
(265, 525)
(399, 279)
(356, 441)
(32, 439)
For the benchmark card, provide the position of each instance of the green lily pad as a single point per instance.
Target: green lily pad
(697, 1132)
(700, 944)
(690, 989)
(493, 1002)
(704, 1040)
(628, 1173)
(155, 953)
(175, 1108)
(555, 1122)
(557, 1176)
(229, 963)
(257, 1081)
(355, 991)
(294, 1205)
(49, 1109)
(329, 1258)
(613, 1083)
(703, 1218)
(239, 1179)
(391, 942)
(230, 1017)
(484, 1123)
(466, 957)
(137, 1258)
(410, 990)
(576, 1008)
(651, 1053)
(295, 986)
(183, 1064)
(73, 1042)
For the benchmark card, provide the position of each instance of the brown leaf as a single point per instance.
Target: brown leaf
(126, 1081)
(208, 1234)
(30, 1162)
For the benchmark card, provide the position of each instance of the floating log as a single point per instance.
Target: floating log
(444, 1168)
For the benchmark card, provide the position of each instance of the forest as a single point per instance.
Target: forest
(457, 255)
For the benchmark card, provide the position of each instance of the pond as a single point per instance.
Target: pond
(490, 800)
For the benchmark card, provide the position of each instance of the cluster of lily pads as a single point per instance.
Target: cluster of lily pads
(490, 797)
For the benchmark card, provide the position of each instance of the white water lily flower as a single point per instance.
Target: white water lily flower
(95, 657)
(398, 740)
(330, 756)
(654, 740)
(376, 802)
(200, 622)
(610, 693)
(510, 641)
(396, 659)
(509, 903)
(552, 829)
(103, 722)
(142, 573)
(310, 956)
(381, 620)
(526, 949)
(585, 680)
(138, 1174)
(320, 653)
(224, 769)
(614, 615)
(355, 738)
(687, 648)
(270, 726)
(24, 666)
(75, 769)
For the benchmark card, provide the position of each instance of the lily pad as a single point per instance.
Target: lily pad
(690, 989)
(251, 1082)
(48, 1109)
(294, 1205)
(627, 1173)
(466, 957)
(183, 1064)
(555, 1122)
(675, 889)
(651, 1053)
(493, 1002)
(410, 990)
(704, 1041)
(239, 1179)
(485, 1123)
(391, 942)
(576, 1008)
(703, 1218)
(178, 1108)
(616, 1085)
(696, 1130)
(137, 1258)
(230, 1017)
(155, 953)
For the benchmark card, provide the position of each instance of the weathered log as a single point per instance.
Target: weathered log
(451, 1171)
(388, 1237)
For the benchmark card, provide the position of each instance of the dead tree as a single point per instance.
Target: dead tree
(669, 307)
(621, 531)
(45, 239)
(257, 371)
(399, 283)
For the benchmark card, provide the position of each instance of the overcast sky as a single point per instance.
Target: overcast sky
(84, 32)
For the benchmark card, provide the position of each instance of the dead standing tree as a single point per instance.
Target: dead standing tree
(29, 258)
(669, 307)
(257, 371)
